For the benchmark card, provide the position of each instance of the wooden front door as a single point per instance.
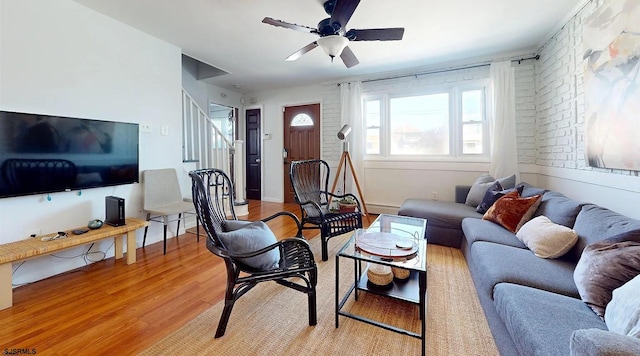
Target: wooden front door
(301, 139)
(254, 175)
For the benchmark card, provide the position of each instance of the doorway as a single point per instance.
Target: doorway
(301, 140)
(224, 118)
(254, 150)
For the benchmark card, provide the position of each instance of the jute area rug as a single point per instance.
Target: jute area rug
(273, 320)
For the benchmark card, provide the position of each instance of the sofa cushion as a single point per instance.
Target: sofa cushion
(606, 265)
(623, 311)
(545, 238)
(595, 223)
(480, 186)
(500, 264)
(540, 322)
(512, 210)
(484, 230)
(438, 213)
(597, 342)
(559, 209)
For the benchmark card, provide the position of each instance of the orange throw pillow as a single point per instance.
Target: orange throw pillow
(512, 211)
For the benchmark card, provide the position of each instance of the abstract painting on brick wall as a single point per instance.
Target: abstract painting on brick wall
(611, 38)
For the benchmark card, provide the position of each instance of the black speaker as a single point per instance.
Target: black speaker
(114, 208)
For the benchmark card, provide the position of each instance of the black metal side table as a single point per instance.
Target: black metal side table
(412, 290)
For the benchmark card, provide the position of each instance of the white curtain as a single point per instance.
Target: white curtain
(351, 114)
(504, 148)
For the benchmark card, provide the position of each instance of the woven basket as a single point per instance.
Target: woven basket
(400, 273)
(379, 275)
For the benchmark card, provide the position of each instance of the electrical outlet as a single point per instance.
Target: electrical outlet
(146, 128)
(434, 195)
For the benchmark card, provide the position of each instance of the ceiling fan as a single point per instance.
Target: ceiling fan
(334, 37)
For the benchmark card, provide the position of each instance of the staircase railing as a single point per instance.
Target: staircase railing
(204, 144)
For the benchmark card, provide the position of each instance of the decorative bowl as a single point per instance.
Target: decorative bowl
(95, 224)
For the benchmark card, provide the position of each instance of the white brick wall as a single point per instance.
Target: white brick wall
(525, 111)
(331, 108)
(560, 103)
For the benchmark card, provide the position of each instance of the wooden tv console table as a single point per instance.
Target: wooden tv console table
(35, 247)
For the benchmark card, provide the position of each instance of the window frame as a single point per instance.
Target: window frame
(454, 90)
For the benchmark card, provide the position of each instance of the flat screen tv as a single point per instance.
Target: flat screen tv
(45, 154)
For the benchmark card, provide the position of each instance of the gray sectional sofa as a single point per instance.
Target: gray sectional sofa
(532, 304)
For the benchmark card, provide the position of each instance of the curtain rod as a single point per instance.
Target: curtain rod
(451, 69)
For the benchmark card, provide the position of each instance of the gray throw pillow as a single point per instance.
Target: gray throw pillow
(495, 192)
(250, 237)
(606, 265)
(508, 182)
(480, 186)
(230, 225)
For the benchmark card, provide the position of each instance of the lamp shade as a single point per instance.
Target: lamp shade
(344, 132)
(333, 45)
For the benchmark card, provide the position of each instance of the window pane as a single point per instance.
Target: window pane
(420, 125)
(472, 118)
(472, 138)
(302, 120)
(472, 105)
(372, 121)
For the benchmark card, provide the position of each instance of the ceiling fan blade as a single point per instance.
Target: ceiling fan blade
(376, 34)
(343, 11)
(292, 26)
(302, 51)
(348, 57)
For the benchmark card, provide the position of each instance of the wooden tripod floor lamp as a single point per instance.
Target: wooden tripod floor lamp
(346, 158)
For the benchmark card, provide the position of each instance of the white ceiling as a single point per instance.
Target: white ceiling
(229, 34)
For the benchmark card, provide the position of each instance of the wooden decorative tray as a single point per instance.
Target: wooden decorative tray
(385, 244)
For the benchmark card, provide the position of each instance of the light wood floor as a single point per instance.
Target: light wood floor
(112, 308)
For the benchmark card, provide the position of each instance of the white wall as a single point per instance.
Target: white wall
(60, 58)
(202, 92)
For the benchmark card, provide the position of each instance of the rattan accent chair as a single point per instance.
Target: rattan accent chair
(213, 199)
(310, 179)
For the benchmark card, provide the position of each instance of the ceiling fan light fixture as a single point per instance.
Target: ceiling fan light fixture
(333, 45)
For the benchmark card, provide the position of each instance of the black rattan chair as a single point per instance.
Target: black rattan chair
(213, 199)
(310, 179)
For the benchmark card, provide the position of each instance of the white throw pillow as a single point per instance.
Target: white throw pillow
(622, 314)
(545, 238)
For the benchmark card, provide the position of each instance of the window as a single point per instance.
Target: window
(302, 120)
(446, 122)
(473, 122)
(372, 121)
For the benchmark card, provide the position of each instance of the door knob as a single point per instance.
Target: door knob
(258, 160)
